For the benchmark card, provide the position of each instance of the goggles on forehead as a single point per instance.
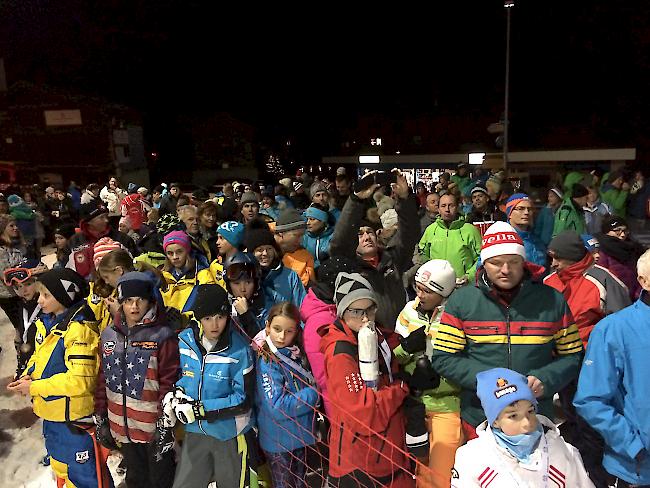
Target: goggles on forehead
(239, 271)
(16, 275)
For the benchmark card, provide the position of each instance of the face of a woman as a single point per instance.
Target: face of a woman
(12, 230)
(208, 219)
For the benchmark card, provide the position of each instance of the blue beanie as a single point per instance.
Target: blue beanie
(316, 213)
(590, 242)
(135, 284)
(233, 232)
(513, 201)
(499, 387)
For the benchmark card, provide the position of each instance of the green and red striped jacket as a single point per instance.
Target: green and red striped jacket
(534, 335)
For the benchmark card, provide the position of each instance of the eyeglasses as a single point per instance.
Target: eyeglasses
(358, 313)
(524, 209)
(17, 275)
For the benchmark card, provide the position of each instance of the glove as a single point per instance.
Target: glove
(103, 432)
(416, 341)
(163, 440)
(424, 377)
(417, 437)
(168, 417)
(187, 409)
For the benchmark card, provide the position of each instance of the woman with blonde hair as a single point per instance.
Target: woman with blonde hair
(12, 252)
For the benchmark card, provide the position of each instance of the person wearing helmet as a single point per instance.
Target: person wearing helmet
(250, 302)
(417, 325)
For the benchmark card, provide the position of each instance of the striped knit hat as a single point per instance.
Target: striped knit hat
(513, 201)
(177, 237)
(500, 239)
(103, 247)
(350, 287)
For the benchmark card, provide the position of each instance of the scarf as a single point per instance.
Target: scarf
(520, 446)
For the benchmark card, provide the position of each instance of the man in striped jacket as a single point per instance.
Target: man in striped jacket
(509, 319)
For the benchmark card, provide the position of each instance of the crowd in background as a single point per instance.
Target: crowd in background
(242, 316)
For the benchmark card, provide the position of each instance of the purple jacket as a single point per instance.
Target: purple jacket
(624, 272)
(314, 314)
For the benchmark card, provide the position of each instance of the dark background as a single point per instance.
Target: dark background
(308, 71)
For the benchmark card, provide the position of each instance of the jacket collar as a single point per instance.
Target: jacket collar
(576, 269)
(222, 344)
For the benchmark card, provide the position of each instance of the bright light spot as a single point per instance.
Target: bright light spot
(475, 158)
(368, 159)
(375, 142)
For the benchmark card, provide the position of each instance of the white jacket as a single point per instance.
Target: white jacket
(482, 463)
(112, 199)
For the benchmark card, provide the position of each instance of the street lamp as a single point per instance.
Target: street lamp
(508, 4)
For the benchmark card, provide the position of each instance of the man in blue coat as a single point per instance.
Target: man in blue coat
(613, 387)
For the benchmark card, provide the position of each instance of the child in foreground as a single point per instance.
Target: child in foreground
(515, 446)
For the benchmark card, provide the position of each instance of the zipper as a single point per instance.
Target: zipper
(536, 328)
(483, 327)
(340, 443)
(383, 443)
(509, 342)
(126, 418)
(201, 387)
(317, 246)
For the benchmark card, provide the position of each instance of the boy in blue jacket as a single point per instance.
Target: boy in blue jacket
(214, 397)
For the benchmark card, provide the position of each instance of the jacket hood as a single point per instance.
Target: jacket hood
(456, 224)
(576, 269)
(313, 309)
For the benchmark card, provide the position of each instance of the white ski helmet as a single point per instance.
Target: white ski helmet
(438, 276)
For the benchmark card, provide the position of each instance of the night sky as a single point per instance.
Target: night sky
(308, 71)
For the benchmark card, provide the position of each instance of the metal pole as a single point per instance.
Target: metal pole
(508, 6)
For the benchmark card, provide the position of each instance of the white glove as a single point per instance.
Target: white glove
(185, 408)
(168, 417)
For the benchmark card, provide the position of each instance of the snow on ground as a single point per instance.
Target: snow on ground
(21, 442)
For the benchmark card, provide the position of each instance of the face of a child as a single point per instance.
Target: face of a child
(134, 309)
(26, 290)
(243, 288)
(518, 418)
(213, 326)
(224, 246)
(282, 331)
(60, 241)
(111, 276)
(48, 303)
(428, 299)
(177, 255)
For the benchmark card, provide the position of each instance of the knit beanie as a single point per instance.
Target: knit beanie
(297, 185)
(590, 242)
(248, 197)
(257, 235)
(513, 201)
(233, 232)
(135, 284)
(558, 192)
(66, 286)
(177, 237)
(385, 203)
(168, 223)
(479, 187)
(132, 188)
(317, 187)
(568, 245)
(210, 300)
(350, 287)
(438, 276)
(290, 219)
(14, 200)
(500, 387)
(92, 209)
(389, 218)
(500, 239)
(65, 230)
(316, 213)
(102, 247)
(612, 222)
(578, 191)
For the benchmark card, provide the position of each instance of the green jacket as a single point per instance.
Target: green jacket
(568, 217)
(616, 198)
(571, 179)
(535, 335)
(460, 244)
(443, 399)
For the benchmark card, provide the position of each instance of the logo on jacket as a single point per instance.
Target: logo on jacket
(109, 347)
(95, 299)
(82, 456)
(152, 345)
(39, 338)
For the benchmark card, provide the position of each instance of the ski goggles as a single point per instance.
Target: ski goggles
(238, 271)
(17, 275)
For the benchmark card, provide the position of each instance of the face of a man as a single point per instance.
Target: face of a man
(433, 201)
(343, 187)
(557, 263)
(448, 208)
(320, 197)
(367, 242)
(522, 215)
(249, 211)
(505, 271)
(174, 191)
(191, 221)
(480, 200)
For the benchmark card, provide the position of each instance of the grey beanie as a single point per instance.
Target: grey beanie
(350, 287)
(290, 219)
(568, 245)
(316, 187)
(248, 197)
